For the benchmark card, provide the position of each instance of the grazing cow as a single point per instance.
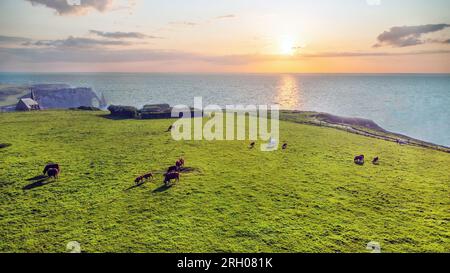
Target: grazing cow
(376, 160)
(138, 180)
(284, 147)
(359, 159)
(148, 176)
(53, 172)
(252, 145)
(171, 176)
(143, 177)
(172, 169)
(51, 166)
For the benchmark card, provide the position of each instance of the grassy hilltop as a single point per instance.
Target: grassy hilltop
(308, 198)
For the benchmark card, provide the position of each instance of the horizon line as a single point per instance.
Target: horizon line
(222, 73)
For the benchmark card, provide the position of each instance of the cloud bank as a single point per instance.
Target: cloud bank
(404, 36)
(13, 39)
(122, 35)
(227, 16)
(75, 43)
(183, 23)
(62, 7)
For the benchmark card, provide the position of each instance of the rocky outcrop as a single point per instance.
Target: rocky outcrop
(366, 123)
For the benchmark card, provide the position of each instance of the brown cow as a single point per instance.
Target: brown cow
(143, 177)
(148, 176)
(171, 176)
(138, 180)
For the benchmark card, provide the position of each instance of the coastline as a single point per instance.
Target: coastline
(357, 126)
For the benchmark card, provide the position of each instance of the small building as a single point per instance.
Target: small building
(27, 104)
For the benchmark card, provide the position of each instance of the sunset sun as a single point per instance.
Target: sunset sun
(287, 46)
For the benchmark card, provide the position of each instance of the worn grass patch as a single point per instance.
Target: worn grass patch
(308, 198)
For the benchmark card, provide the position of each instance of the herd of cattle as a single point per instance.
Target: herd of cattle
(53, 170)
(359, 160)
(172, 173)
(252, 145)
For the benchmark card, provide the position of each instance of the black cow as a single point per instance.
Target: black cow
(376, 160)
(51, 166)
(53, 172)
(359, 160)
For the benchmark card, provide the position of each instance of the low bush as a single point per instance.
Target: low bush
(123, 111)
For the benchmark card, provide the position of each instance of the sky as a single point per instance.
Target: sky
(225, 36)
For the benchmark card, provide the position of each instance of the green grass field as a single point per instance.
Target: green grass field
(308, 198)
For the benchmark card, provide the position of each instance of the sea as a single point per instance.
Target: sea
(416, 105)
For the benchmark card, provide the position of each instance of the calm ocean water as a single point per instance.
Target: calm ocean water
(417, 105)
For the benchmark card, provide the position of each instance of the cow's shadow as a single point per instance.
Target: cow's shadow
(162, 188)
(134, 186)
(38, 181)
(38, 177)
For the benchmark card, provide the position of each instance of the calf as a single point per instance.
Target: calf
(143, 177)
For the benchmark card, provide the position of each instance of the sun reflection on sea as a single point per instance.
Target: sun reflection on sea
(289, 93)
